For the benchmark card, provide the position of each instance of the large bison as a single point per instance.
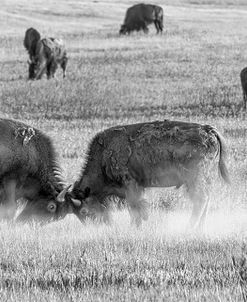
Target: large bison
(139, 16)
(44, 54)
(123, 160)
(29, 170)
(243, 78)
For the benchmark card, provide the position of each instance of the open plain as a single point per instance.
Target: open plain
(189, 73)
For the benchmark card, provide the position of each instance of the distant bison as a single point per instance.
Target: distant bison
(139, 16)
(123, 160)
(29, 170)
(243, 78)
(45, 55)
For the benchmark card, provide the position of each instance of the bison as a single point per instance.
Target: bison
(45, 55)
(139, 16)
(243, 78)
(123, 160)
(29, 170)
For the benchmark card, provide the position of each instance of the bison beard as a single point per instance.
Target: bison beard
(122, 161)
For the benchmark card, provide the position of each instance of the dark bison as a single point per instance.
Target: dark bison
(123, 160)
(29, 170)
(32, 36)
(243, 78)
(139, 16)
(45, 55)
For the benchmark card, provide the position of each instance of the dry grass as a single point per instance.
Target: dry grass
(190, 73)
(66, 260)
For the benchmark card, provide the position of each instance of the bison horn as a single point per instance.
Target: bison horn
(61, 195)
(76, 202)
(29, 62)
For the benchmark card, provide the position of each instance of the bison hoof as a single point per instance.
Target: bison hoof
(136, 220)
(145, 215)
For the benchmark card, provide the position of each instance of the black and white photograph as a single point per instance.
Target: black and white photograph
(123, 150)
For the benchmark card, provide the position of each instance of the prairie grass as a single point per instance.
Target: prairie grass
(158, 262)
(189, 73)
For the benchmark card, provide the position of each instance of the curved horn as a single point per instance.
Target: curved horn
(76, 202)
(61, 195)
(29, 62)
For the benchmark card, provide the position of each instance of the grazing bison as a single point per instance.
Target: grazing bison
(29, 170)
(50, 53)
(243, 77)
(46, 55)
(123, 160)
(139, 16)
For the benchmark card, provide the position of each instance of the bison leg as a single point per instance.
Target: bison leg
(244, 100)
(48, 72)
(31, 73)
(106, 217)
(145, 29)
(64, 65)
(160, 23)
(156, 23)
(204, 215)
(136, 204)
(9, 208)
(42, 70)
(199, 198)
(51, 69)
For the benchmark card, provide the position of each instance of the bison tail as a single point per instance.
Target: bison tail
(222, 156)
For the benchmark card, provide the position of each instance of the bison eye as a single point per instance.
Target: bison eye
(52, 207)
(83, 211)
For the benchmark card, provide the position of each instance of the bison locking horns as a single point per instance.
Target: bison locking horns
(121, 162)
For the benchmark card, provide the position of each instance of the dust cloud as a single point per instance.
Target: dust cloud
(219, 224)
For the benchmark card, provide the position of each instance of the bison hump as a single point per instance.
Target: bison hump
(115, 158)
(155, 143)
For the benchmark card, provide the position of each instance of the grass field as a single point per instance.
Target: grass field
(190, 73)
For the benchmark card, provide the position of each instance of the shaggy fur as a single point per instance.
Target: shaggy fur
(45, 55)
(49, 54)
(28, 169)
(123, 160)
(32, 36)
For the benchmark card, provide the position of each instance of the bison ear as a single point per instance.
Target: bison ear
(87, 192)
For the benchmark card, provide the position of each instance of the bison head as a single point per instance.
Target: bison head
(123, 30)
(86, 205)
(46, 209)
